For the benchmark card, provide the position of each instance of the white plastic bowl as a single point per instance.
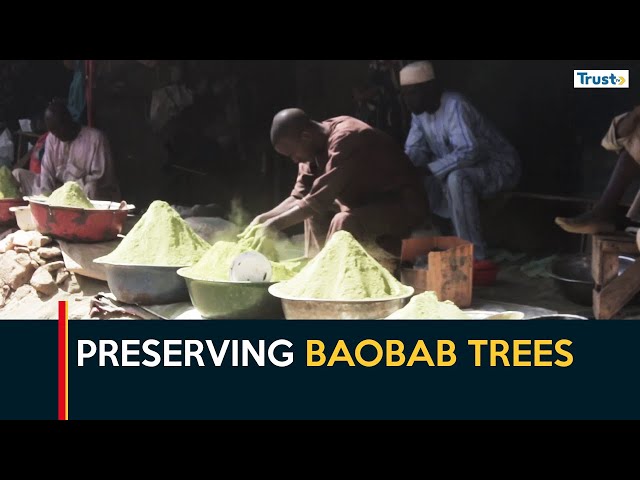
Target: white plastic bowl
(24, 218)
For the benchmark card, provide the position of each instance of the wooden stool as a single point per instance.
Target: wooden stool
(612, 291)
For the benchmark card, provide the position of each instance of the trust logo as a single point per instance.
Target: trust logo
(601, 79)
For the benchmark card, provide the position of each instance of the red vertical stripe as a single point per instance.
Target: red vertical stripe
(62, 360)
(89, 67)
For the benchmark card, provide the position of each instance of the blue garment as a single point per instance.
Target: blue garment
(77, 101)
(457, 136)
(469, 159)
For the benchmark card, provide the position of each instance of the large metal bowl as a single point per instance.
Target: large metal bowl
(145, 284)
(572, 274)
(216, 300)
(313, 309)
(101, 224)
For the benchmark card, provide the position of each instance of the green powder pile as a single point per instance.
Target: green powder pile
(216, 263)
(70, 195)
(343, 270)
(160, 238)
(8, 185)
(290, 267)
(426, 306)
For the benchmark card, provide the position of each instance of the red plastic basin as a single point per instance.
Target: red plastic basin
(79, 224)
(485, 273)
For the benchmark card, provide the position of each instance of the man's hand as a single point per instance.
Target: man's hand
(258, 228)
(257, 221)
(248, 231)
(259, 235)
(271, 228)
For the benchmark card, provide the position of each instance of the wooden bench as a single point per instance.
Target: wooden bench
(612, 291)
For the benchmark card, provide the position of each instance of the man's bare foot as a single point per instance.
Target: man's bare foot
(586, 223)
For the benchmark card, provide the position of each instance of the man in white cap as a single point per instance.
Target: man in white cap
(461, 154)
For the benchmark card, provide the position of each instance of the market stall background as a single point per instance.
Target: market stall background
(212, 145)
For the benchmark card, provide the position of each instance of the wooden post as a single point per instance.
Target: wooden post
(89, 81)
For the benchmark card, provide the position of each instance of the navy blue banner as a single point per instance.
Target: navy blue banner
(29, 366)
(308, 370)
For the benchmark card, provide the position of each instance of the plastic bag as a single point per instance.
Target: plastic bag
(6, 148)
(25, 124)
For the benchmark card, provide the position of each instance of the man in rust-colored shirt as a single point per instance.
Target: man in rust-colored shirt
(350, 177)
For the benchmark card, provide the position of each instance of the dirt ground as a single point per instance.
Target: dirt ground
(33, 306)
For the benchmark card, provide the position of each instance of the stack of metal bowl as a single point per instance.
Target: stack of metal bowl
(145, 284)
(572, 275)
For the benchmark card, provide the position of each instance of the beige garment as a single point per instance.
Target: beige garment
(86, 160)
(631, 144)
(28, 180)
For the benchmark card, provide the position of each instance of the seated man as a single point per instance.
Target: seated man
(623, 137)
(346, 164)
(461, 156)
(72, 152)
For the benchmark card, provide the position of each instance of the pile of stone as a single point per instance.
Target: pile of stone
(32, 261)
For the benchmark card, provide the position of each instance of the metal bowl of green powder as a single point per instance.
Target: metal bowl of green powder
(317, 309)
(227, 300)
(342, 282)
(145, 284)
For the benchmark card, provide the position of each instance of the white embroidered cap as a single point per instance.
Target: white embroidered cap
(416, 72)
